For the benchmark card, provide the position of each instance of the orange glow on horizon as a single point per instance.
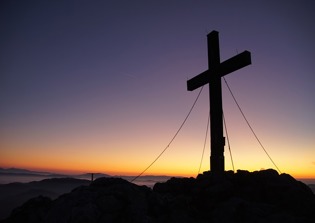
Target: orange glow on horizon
(71, 160)
(133, 172)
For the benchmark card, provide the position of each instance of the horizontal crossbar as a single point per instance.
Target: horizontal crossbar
(235, 63)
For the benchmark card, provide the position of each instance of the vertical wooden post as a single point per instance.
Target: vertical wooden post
(215, 90)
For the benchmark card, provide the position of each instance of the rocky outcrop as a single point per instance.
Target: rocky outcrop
(262, 196)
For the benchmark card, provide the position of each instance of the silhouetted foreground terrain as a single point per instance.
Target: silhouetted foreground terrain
(262, 196)
(312, 186)
(13, 195)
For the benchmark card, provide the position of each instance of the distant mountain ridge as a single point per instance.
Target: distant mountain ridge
(17, 171)
(21, 171)
(4, 172)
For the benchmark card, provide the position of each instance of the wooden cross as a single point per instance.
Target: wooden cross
(212, 76)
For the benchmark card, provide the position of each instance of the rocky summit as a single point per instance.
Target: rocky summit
(260, 196)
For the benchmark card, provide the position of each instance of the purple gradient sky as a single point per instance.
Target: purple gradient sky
(101, 85)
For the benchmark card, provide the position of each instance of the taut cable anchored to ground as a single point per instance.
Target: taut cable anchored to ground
(228, 141)
(204, 144)
(168, 145)
(252, 130)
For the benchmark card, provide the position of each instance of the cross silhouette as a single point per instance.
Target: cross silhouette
(212, 76)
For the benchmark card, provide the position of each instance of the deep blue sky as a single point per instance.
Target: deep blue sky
(106, 80)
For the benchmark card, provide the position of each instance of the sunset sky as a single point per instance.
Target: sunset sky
(100, 86)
